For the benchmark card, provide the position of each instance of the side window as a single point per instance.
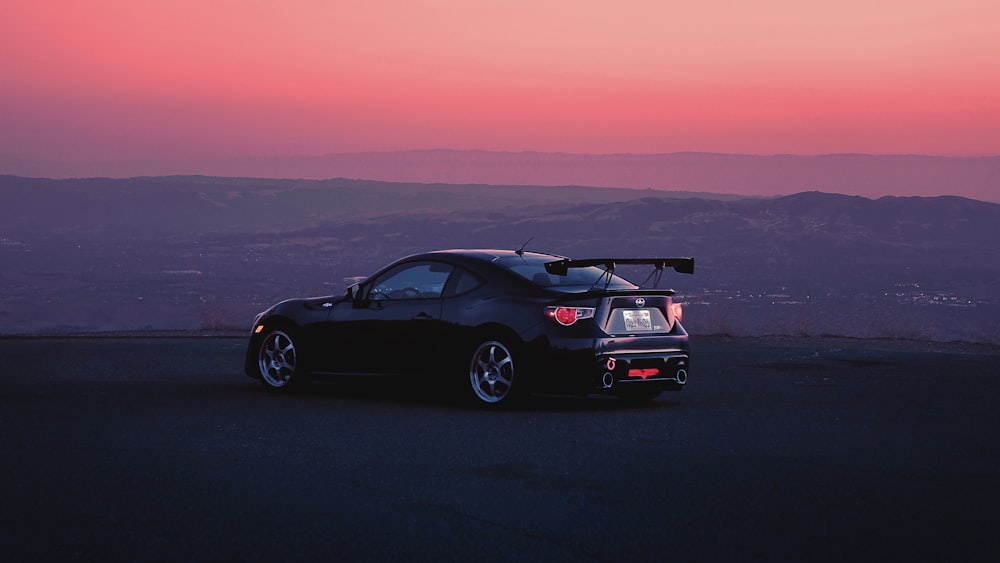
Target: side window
(417, 280)
(462, 282)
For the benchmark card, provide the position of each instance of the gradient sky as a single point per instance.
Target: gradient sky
(99, 80)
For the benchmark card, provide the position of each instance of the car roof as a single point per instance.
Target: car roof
(488, 254)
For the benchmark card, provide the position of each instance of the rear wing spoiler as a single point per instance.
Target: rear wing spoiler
(680, 265)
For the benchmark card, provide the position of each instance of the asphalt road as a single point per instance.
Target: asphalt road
(797, 450)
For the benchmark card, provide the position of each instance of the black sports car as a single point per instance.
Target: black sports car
(499, 324)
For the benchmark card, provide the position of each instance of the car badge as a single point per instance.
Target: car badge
(640, 302)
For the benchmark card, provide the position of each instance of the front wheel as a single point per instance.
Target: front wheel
(278, 361)
(492, 374)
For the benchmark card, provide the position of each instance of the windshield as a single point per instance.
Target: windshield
(532, 268)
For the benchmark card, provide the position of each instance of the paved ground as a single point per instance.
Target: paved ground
(160, 449)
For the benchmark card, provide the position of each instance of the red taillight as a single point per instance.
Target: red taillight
(678, 311)
(643, 372)
(568, 315)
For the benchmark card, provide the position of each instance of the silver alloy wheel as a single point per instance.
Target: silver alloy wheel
(491, 372)
(277, 359)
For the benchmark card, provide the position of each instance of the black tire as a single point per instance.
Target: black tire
(279, 366)
(495, 374)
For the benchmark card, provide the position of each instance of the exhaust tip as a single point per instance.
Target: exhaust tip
(682, 376)
(608, 380)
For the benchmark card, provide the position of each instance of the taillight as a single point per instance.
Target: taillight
(678, 312)
(569, 315)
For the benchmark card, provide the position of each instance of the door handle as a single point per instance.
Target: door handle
(422, 317)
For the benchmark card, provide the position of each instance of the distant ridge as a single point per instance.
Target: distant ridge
(852, 174)
(202, 253)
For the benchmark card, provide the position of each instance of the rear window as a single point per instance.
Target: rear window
(532, 268)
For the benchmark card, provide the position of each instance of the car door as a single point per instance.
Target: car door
(394, 325)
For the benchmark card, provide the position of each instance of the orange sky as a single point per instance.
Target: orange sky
(93, 80)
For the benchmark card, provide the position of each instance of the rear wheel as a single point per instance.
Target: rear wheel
(492, 374)
(278, 361)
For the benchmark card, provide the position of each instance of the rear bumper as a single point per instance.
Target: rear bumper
(666, 370)
(611, 364)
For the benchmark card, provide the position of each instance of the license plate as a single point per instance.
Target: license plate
(637, 319)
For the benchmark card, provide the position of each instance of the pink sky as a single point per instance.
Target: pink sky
(112, 80)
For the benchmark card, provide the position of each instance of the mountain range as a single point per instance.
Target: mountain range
(746, 175)
(206, 253)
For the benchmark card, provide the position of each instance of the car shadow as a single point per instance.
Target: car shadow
(419, 391)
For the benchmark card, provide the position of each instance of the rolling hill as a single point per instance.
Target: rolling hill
(205, 253)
